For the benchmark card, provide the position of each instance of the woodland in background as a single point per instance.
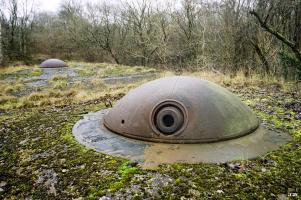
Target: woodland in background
(261, 36)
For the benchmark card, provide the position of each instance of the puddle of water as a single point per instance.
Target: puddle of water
(37, 83)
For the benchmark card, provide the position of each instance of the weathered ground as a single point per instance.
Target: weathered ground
(39, 158)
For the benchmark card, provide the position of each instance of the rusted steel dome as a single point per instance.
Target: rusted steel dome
(53, 63)
(178, 119)
(181, 110)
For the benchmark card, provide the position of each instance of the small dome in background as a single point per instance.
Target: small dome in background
(53, 63)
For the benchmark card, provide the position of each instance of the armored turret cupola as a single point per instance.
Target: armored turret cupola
(53, 63)
(178, 119)
(181, 110)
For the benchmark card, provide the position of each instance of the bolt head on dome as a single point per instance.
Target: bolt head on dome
(53, 63)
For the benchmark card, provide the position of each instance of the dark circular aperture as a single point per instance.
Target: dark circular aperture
(168, 120)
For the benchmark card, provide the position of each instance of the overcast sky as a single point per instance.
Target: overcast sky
(48, 5)
(53, 5)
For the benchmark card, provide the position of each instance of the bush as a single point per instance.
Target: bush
(290, 64)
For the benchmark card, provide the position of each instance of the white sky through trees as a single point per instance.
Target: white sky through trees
(53, 5)
(48, 5)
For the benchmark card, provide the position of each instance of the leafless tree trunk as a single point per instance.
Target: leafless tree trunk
(1, 52)
(261, 56)
(104, 29)
(17, 17)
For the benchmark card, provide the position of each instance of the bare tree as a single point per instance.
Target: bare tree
(17, 18)
(1, 52)
(187, 19)
(103, 28)
(163, 23)
(220, 35)
(143, 31)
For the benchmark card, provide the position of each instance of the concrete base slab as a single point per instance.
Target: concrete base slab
(91, 132)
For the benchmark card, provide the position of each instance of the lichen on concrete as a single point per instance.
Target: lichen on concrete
(40, 159)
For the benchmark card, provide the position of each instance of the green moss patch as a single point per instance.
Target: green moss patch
(40, 159)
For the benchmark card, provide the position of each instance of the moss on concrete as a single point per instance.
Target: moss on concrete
(40, 159)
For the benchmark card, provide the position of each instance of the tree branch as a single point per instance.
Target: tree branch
(264, 25)
(292, 45)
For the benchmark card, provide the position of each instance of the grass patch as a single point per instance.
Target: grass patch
(12, 88)
(5, 99)
(38, 99)
(126, 172)
(116, 70)
(59, 78)
(9, 87)
(13, 69)
(36, 72)
(19, 72)
(102, 70)
(60, 85)
(37, 145)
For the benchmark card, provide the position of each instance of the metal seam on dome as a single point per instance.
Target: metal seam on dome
(174, 86)
(169, 140)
